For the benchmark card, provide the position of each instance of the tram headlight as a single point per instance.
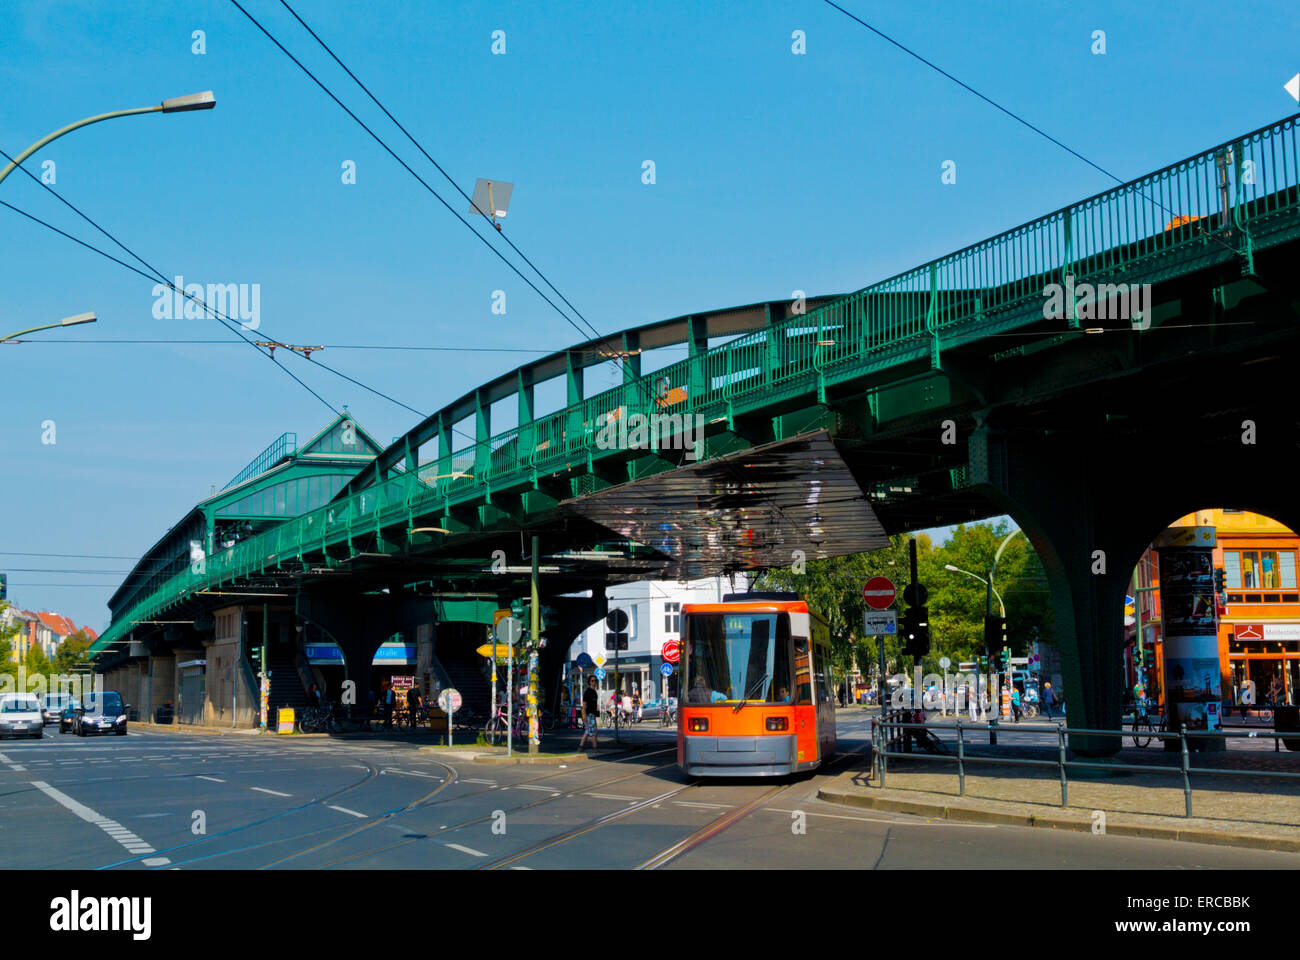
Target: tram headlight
(778, 723)
(698, 724)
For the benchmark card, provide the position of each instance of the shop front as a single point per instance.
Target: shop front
(1267, 654)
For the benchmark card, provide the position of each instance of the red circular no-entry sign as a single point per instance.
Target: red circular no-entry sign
(879, 593)
(671, 653)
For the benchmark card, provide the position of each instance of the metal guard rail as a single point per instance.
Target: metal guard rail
(1131, 227)
(894, 731)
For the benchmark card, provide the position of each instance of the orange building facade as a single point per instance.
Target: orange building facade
(1258, 628)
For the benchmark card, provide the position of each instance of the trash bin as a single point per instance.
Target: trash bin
(163, 714)
(1286, 720)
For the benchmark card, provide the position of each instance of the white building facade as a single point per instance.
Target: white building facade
(654, 611)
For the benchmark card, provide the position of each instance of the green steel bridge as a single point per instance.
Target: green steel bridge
(940, 395)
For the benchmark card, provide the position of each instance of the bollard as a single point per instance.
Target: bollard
(961, 761)
(1187, 780)
(1065, 789)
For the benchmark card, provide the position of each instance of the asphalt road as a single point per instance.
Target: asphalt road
(177, 801)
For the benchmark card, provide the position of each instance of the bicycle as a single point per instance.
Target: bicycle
(1266, 711)
(317, 720)
(1145, 726)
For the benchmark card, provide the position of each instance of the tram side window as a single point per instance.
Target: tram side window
(802, 671)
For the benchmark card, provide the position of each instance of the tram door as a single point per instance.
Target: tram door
(805, 709)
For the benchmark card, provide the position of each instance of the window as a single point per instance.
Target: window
(672, 618)
(1260, 569)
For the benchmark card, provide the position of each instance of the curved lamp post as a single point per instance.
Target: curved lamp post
(65, 322)
(194, 101)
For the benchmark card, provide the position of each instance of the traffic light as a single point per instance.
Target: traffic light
(995, 633)
(1220, 581)
(4, 586)
(616, 635)
(916, 632)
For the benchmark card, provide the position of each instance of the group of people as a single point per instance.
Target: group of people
(629, 705)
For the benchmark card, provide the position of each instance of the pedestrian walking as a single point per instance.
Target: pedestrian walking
(314, 696)
(413, 704)
(1015, 704)
(390, 701)
(1049, 697)
(972, 703)
(590, 712)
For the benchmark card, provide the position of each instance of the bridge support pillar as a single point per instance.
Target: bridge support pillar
(571, 616)
(1092, 498)
(359, 623)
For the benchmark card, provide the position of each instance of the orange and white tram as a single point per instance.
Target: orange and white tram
(754, 696)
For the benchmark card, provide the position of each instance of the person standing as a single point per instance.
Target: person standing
(1049, 697)
(390, 701)
(972, 703)
(413, 704)
(1015, 704)
(590, 712)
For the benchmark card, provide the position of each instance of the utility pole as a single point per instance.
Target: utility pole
(534, 630)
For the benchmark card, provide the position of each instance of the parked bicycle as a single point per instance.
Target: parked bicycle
(1145, 724)
(318, 720)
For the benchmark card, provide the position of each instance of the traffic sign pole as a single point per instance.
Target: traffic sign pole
(535, 629)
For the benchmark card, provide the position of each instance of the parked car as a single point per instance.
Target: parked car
(105, 713)
(654, 709)
(53, 704)
(69, 715)
(20, 716)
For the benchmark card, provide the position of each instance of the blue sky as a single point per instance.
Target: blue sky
(774, 172)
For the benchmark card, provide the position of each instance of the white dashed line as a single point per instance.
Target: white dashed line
(610, 796)
(527, 786)
(125, 837)
(468, 780)
(156, 861)
(470, 850)
(709, 806)
(274, 793)
(346, 810)
(213, 779)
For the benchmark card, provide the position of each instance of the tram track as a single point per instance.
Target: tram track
(716, 826)
(421, 803)
(524, 806)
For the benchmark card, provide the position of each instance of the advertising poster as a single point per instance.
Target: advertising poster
(1192, 677)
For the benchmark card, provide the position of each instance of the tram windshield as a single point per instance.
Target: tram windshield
(738, 658)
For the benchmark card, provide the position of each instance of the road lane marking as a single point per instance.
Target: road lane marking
(274, 793)
(470, 850)
(213, 779)
(610, 796)
(346, 810)
(470, 780)
(125, 837)
(708, 806)
(410, 773)
(156, 861)
(527, 786)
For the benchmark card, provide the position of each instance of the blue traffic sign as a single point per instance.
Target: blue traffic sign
(600, 673)
(666, 669)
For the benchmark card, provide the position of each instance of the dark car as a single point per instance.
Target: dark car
(69, 715)
(104, 713)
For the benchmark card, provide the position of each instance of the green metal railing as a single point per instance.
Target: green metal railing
(280, 448)
(1220, 205)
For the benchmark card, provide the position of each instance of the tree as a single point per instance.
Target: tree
(36, 662)
(72, 651)
(7, 634)
(833, 588)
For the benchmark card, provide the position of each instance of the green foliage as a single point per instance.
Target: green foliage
(7, 634)
(71, 652)
(37, 662)
(956, 601)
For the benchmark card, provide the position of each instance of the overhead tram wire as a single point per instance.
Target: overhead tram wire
(104, 253)
(612, 356)
(222, 318)
(1014, 116)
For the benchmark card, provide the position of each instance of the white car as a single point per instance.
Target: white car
(20, 716)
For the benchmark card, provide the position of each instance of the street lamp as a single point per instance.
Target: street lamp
(193, 101)
(65, 322)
